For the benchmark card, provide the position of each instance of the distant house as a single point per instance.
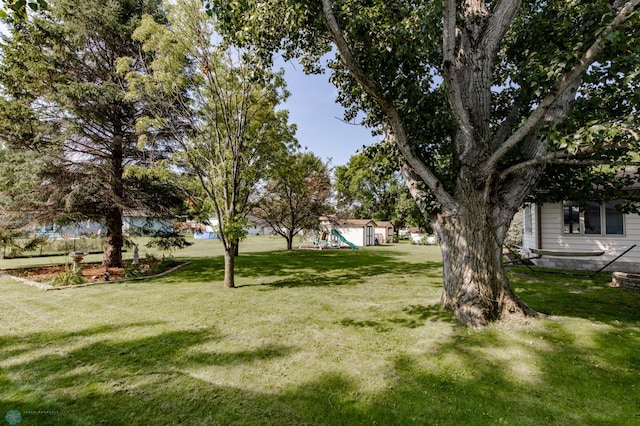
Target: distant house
(71, 230)
(258, 226)
(211, 229)
(385, 232)
(563, 236)
(134, 222)
(139, 223)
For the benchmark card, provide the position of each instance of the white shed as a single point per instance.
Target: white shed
(360, 232)
(563, 236)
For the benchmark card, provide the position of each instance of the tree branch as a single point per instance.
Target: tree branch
(560, 158)
(373, 89)
(454, 92)
(499, 23)
(412, 179)
(509, 122)
(565, 83)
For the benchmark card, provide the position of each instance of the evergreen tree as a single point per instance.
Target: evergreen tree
(64, 110)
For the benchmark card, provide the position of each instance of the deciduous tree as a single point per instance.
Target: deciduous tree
(478, 96)
(220, 109)
(296, 195)
(370, 186)
(19, 8)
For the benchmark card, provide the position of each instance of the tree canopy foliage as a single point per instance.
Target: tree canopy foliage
(478, 96)
(370, 186)
(19, 8)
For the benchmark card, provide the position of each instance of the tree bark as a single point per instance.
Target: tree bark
(475, 287)
(289, 242)
(113, 240)
(112, 256)
(229, 262)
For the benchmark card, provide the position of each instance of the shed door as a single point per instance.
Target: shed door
(369, 236)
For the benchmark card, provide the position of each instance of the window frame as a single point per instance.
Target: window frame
(527, 220)
(603, 226)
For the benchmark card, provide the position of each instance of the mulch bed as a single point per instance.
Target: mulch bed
(41, 276)
(90, 272)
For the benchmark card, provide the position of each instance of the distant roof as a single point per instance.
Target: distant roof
(143, 213)
(355, 222)
(384, 224)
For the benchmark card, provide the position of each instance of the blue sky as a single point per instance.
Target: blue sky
(313, 109)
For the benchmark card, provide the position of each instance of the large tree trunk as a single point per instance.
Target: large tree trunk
(113, 241)
(289, 241)
(229, 263)
(476, 288)
(112, 255)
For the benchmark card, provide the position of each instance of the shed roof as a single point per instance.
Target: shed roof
(355, 223)
(384, 224)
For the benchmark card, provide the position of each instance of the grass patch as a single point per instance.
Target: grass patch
(315, 337)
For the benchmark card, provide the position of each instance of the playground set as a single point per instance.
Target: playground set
(335, 233)
(333, 240)
(326, 240)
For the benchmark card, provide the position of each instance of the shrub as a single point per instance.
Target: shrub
(151, 266)
(132, 271)
(71, 276)
(160, 267)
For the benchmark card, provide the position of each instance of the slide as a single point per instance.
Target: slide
(344, 240)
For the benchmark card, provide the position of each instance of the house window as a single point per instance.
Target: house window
(528, 219)
(593, 220)
(614, 219)
(571, 217)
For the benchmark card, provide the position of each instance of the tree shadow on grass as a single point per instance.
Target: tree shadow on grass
(376, 325)
(300, 268)
(414, 316)
(482, 377)
(264, 353)
(577, 296)
(418, 314)
(13, 346)
(115, 381)
(490, 378)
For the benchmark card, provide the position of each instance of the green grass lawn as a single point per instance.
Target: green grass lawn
(315, 338)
